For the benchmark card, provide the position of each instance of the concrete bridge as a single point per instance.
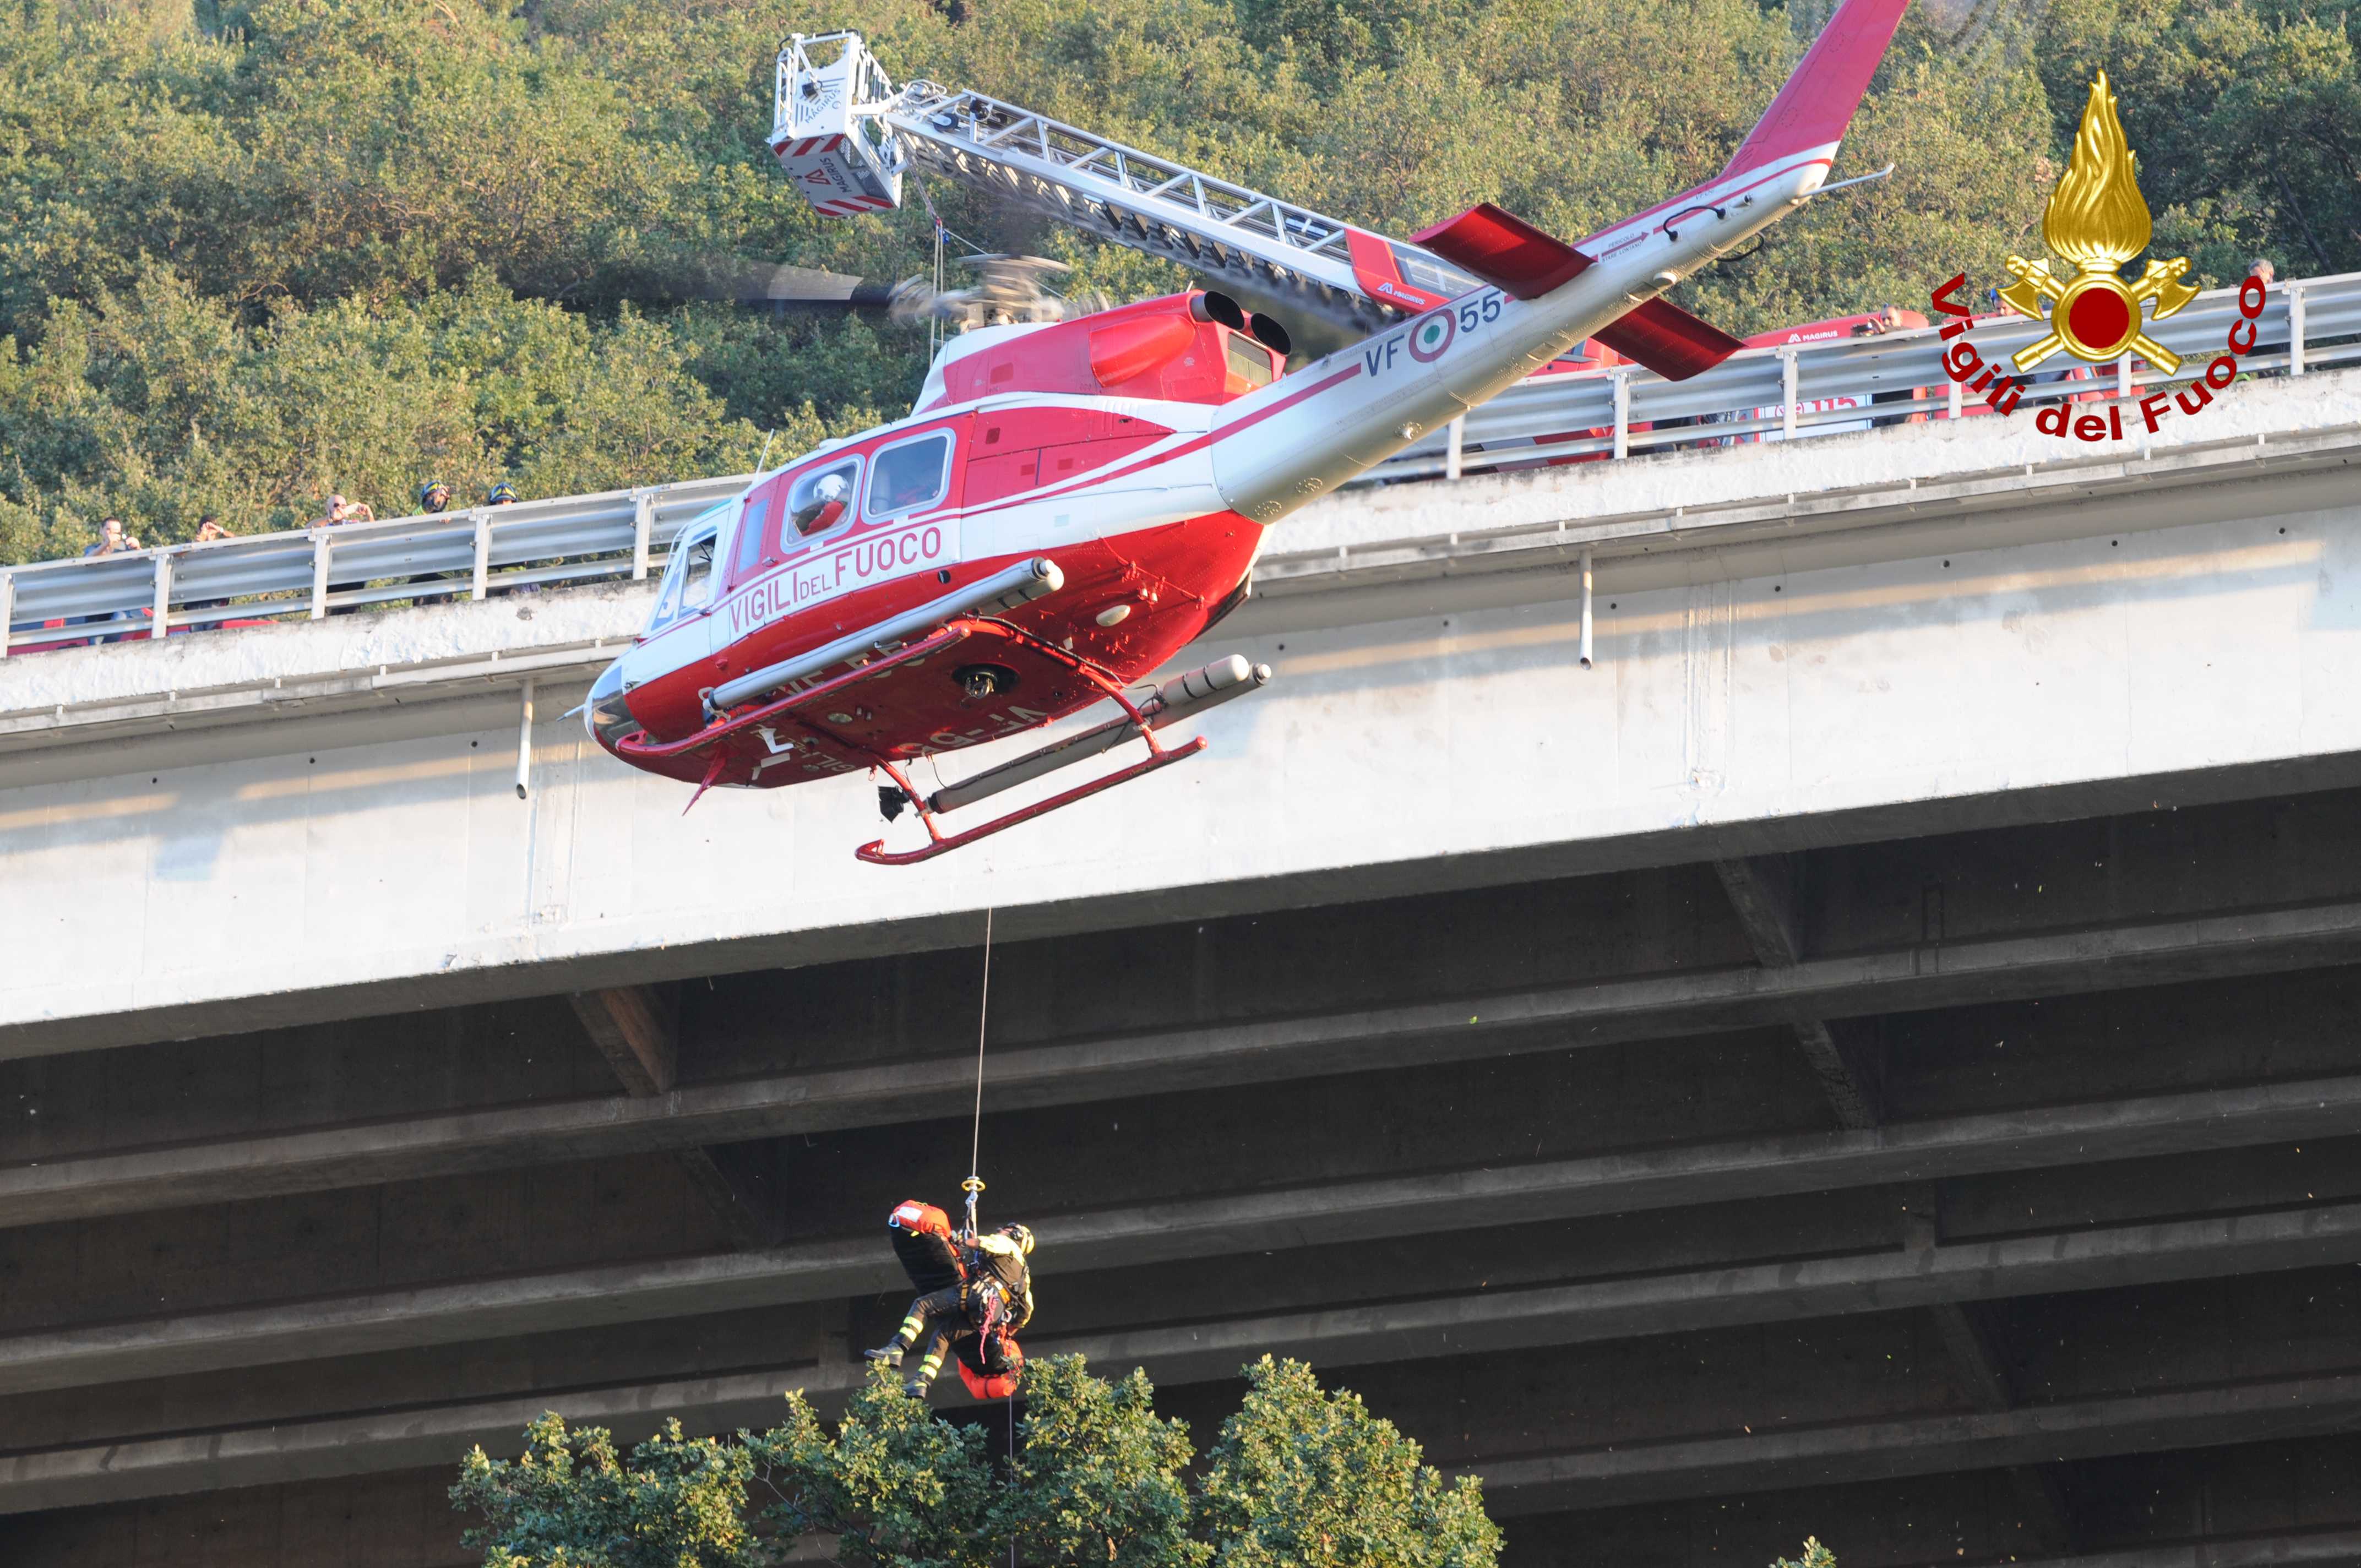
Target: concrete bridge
(1870, 1058)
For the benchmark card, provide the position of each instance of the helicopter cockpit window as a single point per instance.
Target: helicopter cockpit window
(750, 539)
(689, 575)
(911, 475)
(822, 497)
(699, 581)
(1420, 270)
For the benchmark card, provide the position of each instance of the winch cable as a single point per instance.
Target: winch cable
(975, 1182)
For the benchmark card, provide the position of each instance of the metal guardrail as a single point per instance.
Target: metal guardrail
(322, 571)
(1825, 388)
(1764, 394)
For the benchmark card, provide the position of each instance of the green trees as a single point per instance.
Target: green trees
(2246, 115)
(160, 405)
(253, 250)
(1299, 1478)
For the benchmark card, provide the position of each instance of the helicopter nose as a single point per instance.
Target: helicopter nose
(605, 714)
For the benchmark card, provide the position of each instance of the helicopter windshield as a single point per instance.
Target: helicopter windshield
(689, 575)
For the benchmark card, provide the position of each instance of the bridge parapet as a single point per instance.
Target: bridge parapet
(1699, 514)
(1757, 398)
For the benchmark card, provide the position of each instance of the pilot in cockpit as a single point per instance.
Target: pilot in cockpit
(822, 506)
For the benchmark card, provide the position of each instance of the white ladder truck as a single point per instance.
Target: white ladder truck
(846, 136)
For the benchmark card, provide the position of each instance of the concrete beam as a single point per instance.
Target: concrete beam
(359, 1443)
(2244, 1552)
(491, 983)
(1766, 891)
(1464, 1028)
(632, 1026)
(740, 1182)
(1967, 1340)
(1846, 1070)
(1654, 1179)
(1561, 1314)
(2276, 1410)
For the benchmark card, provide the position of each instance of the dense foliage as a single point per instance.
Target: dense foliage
(256, 251)
(1299, 1478)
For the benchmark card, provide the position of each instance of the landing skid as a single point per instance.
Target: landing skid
(939, 843)
(807, 712)
(1217, 682)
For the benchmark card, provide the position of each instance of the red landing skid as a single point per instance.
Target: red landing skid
(859, 719)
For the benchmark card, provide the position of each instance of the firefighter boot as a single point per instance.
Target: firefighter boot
(890, 1355)
(924, 1378)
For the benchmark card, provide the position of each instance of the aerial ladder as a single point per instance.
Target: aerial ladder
(846, 135)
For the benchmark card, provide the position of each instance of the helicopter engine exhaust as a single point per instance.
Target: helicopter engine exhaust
(1215, 306)
(1266, 330)
(1193, 693)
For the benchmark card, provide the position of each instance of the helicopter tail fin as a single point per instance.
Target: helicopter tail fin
(1818, 104)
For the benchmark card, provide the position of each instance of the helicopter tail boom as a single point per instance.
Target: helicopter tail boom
(1301, 436)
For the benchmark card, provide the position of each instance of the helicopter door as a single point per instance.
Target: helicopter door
(675, 636)
(753, 545)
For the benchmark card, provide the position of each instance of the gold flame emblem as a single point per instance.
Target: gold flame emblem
(2097, 219)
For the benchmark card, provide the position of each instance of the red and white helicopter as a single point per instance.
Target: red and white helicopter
(1070, 503)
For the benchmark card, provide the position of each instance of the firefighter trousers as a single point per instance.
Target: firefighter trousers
(934, 1318)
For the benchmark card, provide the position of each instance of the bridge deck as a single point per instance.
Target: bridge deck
(1873, 1058)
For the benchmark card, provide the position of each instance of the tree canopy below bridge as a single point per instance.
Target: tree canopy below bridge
(1299, 1478)
(252, 253)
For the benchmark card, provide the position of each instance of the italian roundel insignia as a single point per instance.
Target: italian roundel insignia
(1430, 338)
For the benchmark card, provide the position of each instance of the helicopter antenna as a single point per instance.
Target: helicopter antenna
(765, 460)
(934, 323)
(974, 1183)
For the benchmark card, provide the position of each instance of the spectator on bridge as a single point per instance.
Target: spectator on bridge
(1885, 319)
(2262, 269)
(433, 499)
(504, 495)
(111, 540)
(341, 510)
(209, 532)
